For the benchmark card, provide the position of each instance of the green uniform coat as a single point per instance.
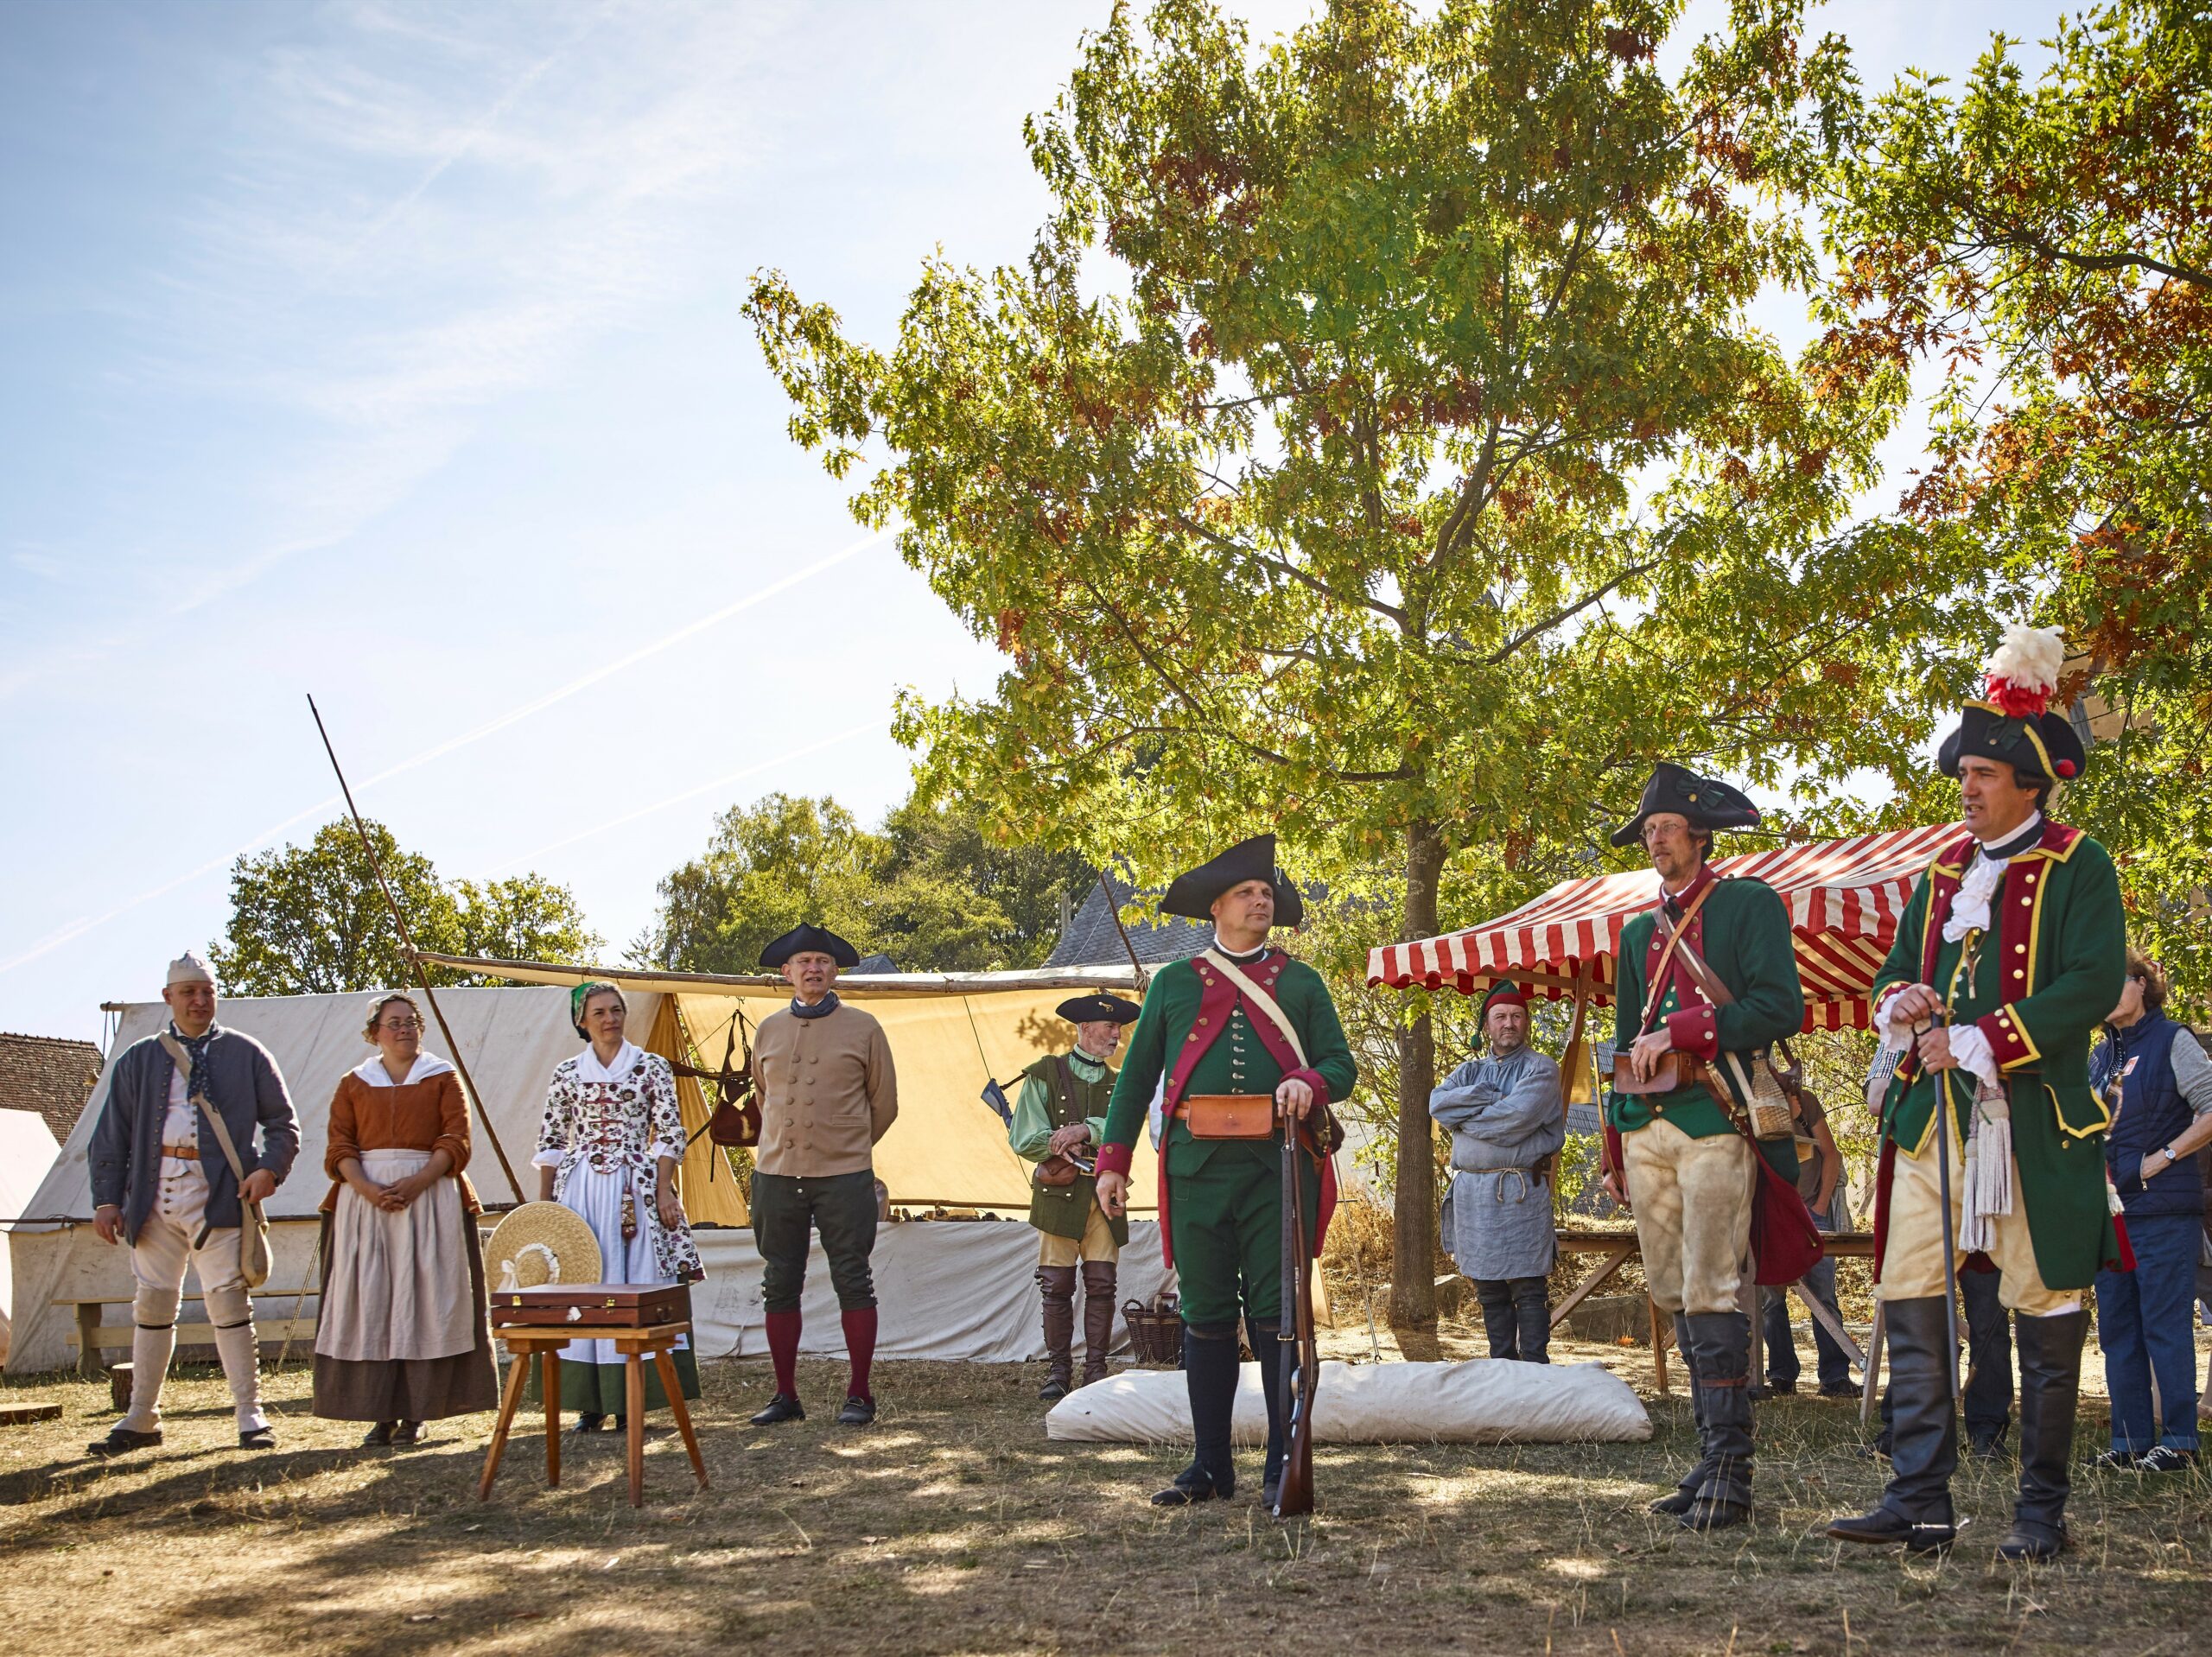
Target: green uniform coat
(1742, 932)
(1220, 1202)
(2039, 992)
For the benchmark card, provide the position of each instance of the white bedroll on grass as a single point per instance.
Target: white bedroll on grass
(1485, 1401)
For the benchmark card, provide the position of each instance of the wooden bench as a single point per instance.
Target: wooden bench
(1620, 1246)
(93, 1337)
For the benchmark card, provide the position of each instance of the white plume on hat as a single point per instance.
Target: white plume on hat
(2026, 665)
(189, 968)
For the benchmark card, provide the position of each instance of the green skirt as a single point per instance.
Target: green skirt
(603, 1388)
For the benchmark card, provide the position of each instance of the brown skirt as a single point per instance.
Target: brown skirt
(413, 1389)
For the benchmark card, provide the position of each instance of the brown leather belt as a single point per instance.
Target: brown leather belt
(182, 1153)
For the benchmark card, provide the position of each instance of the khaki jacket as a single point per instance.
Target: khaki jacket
(828, 1092)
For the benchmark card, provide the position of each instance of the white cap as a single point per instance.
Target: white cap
(189, 968)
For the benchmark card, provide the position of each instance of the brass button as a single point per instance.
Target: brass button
(2019, 948)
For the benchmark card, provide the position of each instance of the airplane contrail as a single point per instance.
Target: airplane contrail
(76, 929)
(872, 726)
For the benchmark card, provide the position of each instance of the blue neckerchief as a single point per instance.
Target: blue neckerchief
(821, 1009)
(196, 1047)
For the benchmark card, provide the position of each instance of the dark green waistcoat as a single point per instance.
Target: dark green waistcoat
(1065, 1210)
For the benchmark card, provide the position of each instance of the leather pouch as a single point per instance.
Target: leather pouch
(1228, 1116)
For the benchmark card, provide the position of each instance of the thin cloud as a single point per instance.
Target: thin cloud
(76, 929)
(657, 806)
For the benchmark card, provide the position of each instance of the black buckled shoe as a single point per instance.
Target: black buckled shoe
(858, 1412)
(1191, 1486)
(379, 1436)
(2031, 1543)
(408, 1434)
(258, 1438)
(121, 1441)
(1886, 1527)
(588, 1422)
(784, 1407)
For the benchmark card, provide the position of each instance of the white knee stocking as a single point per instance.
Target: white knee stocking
(242, 1368)
(151, 1351)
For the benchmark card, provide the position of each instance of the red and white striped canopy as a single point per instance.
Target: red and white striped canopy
(1844, 898)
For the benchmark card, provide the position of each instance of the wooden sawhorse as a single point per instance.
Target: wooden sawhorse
(636, 1344)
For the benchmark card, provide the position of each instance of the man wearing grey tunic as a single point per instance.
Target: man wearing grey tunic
(1507, 1124)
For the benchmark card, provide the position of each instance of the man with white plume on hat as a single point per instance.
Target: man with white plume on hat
(179, 1104)
(2009, 956)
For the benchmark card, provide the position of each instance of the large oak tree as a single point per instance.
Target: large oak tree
(1376, 446)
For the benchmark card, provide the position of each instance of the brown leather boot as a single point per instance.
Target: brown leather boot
(1099, 1277)
(1058, 1284)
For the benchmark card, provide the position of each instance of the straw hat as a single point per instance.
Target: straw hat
(540, 1243)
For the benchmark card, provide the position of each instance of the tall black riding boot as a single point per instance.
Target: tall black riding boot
(1058, 1284)
(1500, 1322)
(1686, 1492)
(1267, 1347)
(1720, 1344)
(1209, 1368)
(2051, 1385)
(1923, 1429)
(1099, 1277)
(1532, 1312)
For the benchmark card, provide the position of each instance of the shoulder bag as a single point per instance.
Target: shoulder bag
(253, 1224)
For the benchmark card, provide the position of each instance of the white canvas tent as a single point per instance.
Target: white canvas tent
(28, 1149)
(949, 1290)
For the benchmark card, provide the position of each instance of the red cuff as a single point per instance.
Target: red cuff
(1114, 1159)
(2007, 1037)
(1312, 1079)
(1695, 1030)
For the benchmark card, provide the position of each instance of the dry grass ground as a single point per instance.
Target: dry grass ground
(954, 1527)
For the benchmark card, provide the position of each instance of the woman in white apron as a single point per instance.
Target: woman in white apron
(403, 1337)
(608, 1151)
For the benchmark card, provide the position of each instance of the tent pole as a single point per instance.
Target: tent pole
(421, 974)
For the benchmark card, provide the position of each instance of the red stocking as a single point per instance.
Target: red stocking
(860, 1348)
(783, 1350)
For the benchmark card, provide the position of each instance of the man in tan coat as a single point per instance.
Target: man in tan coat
(828, 1093)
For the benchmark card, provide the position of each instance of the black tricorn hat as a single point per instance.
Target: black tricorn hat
(1192, 893)
(1098, 1009)
(1705, 802)
(2037, 744)
(805, 936)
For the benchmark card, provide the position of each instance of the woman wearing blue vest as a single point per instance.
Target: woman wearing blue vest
(2156, 1078)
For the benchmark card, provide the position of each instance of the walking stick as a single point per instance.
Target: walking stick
(421, 974)
(1950, 1233)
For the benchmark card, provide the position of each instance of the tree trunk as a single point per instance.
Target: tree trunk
(1413, 1228)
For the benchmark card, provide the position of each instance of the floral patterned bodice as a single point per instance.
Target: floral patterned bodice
(628, 1124)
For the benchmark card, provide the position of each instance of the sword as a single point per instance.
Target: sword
(1950, 1233)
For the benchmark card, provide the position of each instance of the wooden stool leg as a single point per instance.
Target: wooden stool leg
(517, 1377)
(633, 1378)
(549, 1377)
(664, 1363)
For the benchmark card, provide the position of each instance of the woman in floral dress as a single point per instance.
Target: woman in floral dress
(608, 1151)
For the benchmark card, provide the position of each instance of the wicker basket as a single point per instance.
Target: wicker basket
(1156, 1331)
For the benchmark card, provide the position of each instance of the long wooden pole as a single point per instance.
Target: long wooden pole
(414, 959)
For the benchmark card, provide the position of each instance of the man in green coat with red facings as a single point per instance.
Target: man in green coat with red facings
(2011, 954)
(1721, 956)
(1216, 1025)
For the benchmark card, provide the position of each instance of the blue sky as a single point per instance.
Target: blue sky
(391, 352)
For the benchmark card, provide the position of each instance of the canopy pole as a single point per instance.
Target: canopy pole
(1575, 1060)
(421, 974)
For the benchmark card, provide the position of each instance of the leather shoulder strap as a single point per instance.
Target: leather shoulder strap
(202, 1097)
(1652, 993)
(1259, 998)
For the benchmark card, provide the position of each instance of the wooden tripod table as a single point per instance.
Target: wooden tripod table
(636, 1344)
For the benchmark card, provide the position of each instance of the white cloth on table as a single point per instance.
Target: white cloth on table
(399, 1283)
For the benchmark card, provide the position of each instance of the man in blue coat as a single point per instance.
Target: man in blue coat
(1507, 1124)
(162, 1183)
